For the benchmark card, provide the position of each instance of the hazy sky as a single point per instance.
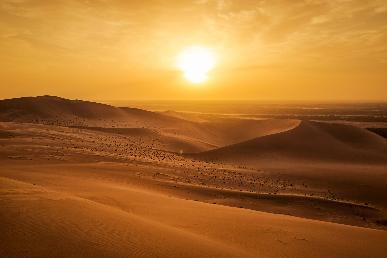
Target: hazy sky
(122, 49)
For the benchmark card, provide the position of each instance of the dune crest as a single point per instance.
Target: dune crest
(308, 141)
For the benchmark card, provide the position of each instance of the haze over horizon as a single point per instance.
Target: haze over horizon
(113, 50)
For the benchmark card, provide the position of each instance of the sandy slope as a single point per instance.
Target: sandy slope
(86, 179)
(174, 134)
(166, 141)
(346, 193)
(62, 211)
(60, 111)
(309, 141)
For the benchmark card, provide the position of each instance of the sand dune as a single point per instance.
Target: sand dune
(309, 141)
(48, 107)
(53, 214)
(38, 222)
(232, 130)
(56, 110)
(177, 134)
(352, 194)
(82, 179)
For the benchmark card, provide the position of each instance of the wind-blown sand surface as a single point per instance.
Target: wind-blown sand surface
(77, 210)
(119, 183)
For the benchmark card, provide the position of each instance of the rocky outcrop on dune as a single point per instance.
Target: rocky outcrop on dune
(311, 141)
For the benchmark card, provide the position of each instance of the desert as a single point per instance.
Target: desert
(87, 179)
(193, 128)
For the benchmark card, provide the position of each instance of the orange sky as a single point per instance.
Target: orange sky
(267, 50)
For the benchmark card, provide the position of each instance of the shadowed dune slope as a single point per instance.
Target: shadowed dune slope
(230, 131)
(308, 141)
(380, 131)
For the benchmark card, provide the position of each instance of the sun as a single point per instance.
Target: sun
(196, 62)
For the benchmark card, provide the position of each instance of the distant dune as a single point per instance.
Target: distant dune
(177, 133)
(309, 141)
(29, 108)
(60, 110)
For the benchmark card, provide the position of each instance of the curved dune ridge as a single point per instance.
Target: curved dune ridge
(308, 141)
(193, 137)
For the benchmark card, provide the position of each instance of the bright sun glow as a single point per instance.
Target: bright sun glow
(196, 62)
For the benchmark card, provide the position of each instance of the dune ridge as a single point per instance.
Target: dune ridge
(308, 141)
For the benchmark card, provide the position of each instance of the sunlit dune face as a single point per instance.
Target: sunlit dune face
(196, 62)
